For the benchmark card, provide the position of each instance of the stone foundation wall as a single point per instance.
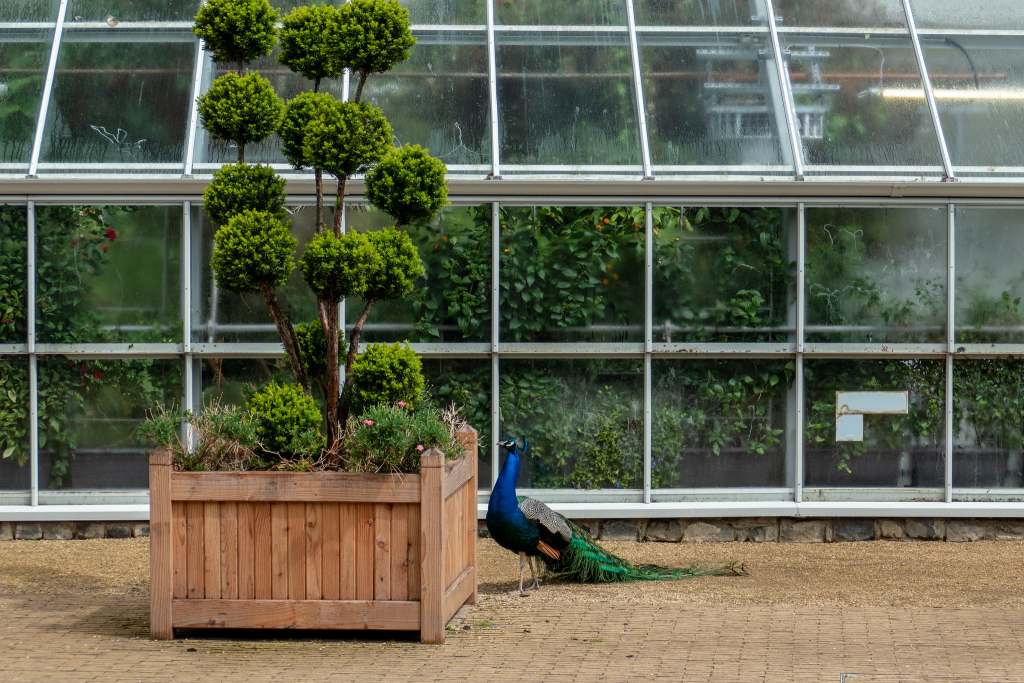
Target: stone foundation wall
(67, 531)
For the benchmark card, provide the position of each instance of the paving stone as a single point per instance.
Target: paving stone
(705, 532)
(1008, 530)
(620, 530)
(664, 530)
(891, 529)
(119, 531)
(27, 531)
(90, 530)
(58, 531)
(853, 529)
(965, 530)
(925, 529)
(803, 531)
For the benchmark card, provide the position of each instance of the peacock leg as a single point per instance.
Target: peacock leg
(534, 572)
(522, 572)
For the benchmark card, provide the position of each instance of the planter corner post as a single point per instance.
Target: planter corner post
(432, 588)
(160, 546)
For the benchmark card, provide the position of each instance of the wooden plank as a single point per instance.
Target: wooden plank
(161, 550)
(298, 614)
(246, 552)
(194, 515)
(364, 552)
(471, 517)
(262, 533)
(296, 551)
(314, 551)
(432, 589)
(229, 551)
(449, 507)
(211, 550)
(457, 477)
(279, 551)
(348, 559)
(400, 552)
(382, 551)
(331, 578)
(460, 590)
(413, 552)
(295, 487)
(179, 549)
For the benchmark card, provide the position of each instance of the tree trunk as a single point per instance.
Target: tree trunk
(339, 205)
(287, 333)
(318, 175)
(353, 351)
(331, 379)
(241, 153)
(359, 88)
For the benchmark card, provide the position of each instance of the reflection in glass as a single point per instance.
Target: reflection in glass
(132, 10)
(844, 90)
(89, 411)
(699, 12)
(29, 10)
(108, 273)
(732, 121)
(446, 11)
(15, 456)
(584, 420)
(13, 273)
(565, 103)
(897, 450)
(222, 316)
(578, 12)
(466, 384)
(979, 89)
(722, 274)
(991, 14)
(438, 98)
(876, 275)
(452, 302)
(719, 423)
(119, 102)
(572, 274)
(860, 13)
(988, 412)
(989, 277)
(229, 381)
(22, 72)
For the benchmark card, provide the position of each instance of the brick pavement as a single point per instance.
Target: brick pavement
(96, 630)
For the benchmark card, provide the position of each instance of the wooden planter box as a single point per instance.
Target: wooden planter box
(317, 550)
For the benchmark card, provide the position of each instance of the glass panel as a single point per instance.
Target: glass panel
(452, 302)
(89, 411)
(29, 10)
(732, 121)
(572, 274)
(719, 423)
(133, 10)
(447, 11)
(991, 14)
(699, 12)
(230, 380)
(988, 408)
(13, 273)
(23, 59)
(989, 279)
(844, 87)
(578, 12)
(723, 274)
(222, 316)
(120, 102)
(562, 102)
(584, 420)
(896, 450)
(108, 274)
(876, 275)
(873, 13)
(439, 98)
(466, 384)
(15, 457)
(979, 90)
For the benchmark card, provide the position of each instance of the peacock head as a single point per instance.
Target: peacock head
(511, 445)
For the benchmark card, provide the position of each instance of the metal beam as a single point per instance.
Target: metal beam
(638, 92)
(44, 106)
(492, 88)
(787, 92)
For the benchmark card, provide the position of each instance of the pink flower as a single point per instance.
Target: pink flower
(420, 448)
(401, 404)
(369, 423)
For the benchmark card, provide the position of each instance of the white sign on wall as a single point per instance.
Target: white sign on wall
(852, 406)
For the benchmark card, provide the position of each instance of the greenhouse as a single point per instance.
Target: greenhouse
(711, 257)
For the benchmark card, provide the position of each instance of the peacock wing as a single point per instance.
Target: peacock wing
(555, 531)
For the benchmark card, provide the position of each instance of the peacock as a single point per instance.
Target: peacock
(535, 531)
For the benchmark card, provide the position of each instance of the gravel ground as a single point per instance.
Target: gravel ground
(878, 573)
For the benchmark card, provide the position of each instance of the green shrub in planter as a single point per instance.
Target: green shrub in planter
(313, 347)
(253, 251)
(242, 109)
(391, 438)
(237, 188)
(288, 420)
(408, 184)
(385, 374)
(237, 31)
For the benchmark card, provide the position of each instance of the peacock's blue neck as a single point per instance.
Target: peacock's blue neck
(503, 497)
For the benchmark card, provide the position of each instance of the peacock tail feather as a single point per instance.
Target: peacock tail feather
(584, 561)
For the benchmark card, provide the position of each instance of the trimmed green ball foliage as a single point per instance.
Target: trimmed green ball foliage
(375, 35)
(313, 347)
(338, 266)
(237, 188)
(288, 420)
(385, 374)
(400, 265)
(252, 249)
(298, 112)
(409, 184)
(242, 109)
(309, 36)
(236, 31)
(346, 138)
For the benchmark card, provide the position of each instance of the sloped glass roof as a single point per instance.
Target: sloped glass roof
(609, 88)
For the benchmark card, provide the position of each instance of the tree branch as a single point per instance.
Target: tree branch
(287, 333)
(339, 205)
(353, 351)
(363, 76)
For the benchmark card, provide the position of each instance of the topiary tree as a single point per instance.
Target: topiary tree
(374, 37)
(287, 418)
(384, 375)
(241, 109)
(236, 31)
(237, 188)
(408, 184)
